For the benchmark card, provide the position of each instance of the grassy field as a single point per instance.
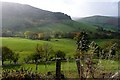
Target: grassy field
(106, 65)
(26, 47)
(69, 69)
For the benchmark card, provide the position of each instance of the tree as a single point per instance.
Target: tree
(28, 34)
(60, 54)
(15, 58)
(57, 34)
(42, 53)
(47, 36)
(48, 53)
(82, 41)
(38, 55)
(100, 28)
(111, 48)
(112, 51)
(28, 58)
(7, 33)
(94, 49)
(41, 36)
(45, 52)
(7, 54)
(82, 47)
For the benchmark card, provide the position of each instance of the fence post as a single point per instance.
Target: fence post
(79, 67)
(36, 67)
(58, 69)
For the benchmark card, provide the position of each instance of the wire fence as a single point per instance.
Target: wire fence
(100, 68)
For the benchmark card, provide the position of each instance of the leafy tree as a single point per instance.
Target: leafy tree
(68, 35)
(42, 53)
(7, 54)
(34, 36)
(15, 58)
(100, 28)
(60, 54)
(28, 34)
(112, 51)
(28, 58)
(38, 55)
(48, 51)
(41, 36)
(7, 33)
(117, 48)
(47, 36)
(58, 34)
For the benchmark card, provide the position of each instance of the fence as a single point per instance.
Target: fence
(70, 68)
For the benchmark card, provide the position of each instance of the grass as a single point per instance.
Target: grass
(26, 47)
(69, 69)
(102, 42)
(109, 65)
(66, 66)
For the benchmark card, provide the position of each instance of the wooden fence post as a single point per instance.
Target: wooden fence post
(58, 69)
(80, 70)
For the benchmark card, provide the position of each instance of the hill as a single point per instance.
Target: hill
(106, 22)
(20, 18)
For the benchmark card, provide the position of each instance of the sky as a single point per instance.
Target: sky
(75, 8)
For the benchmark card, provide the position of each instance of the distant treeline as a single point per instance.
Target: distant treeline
(101, 34)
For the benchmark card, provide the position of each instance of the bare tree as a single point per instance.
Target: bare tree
(82, 47)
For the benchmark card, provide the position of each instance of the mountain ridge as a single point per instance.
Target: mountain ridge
(21, 17)
(106, 22)
(20, 11)
(18, 17)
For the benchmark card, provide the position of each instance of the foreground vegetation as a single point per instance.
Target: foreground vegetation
(105, 66)
(28, 47)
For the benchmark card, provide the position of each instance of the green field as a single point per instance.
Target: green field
(26, 47)
(69, 69)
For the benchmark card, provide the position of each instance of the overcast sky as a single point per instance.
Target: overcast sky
(75, 8)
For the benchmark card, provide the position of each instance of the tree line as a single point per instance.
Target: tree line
(101, 34)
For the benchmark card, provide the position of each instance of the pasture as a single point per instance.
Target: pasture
(69, 69)
(26, 47)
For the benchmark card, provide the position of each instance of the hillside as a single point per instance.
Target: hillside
(20, 18)
(106, 22)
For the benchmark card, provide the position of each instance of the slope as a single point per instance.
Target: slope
(20, 18)
(106, 22)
